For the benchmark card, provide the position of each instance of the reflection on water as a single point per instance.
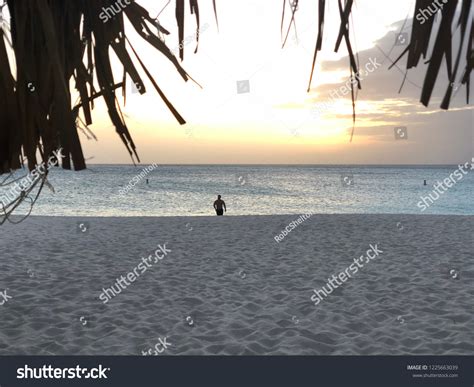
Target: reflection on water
(261, 190)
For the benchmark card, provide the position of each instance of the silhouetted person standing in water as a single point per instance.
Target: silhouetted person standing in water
(219, 206)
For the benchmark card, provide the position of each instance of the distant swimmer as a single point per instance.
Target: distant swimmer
(424, 183)
(219, 206)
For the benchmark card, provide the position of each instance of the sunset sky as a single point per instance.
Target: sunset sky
(275, 122)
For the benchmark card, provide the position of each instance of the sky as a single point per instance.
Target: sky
(252, 106)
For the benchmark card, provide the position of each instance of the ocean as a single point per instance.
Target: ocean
(187, 190)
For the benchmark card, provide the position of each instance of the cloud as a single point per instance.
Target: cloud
(434, 135)
(386, 83)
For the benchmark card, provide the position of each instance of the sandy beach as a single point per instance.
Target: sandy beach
(226, 287)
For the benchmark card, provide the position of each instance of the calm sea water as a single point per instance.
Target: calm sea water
(250, 190)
